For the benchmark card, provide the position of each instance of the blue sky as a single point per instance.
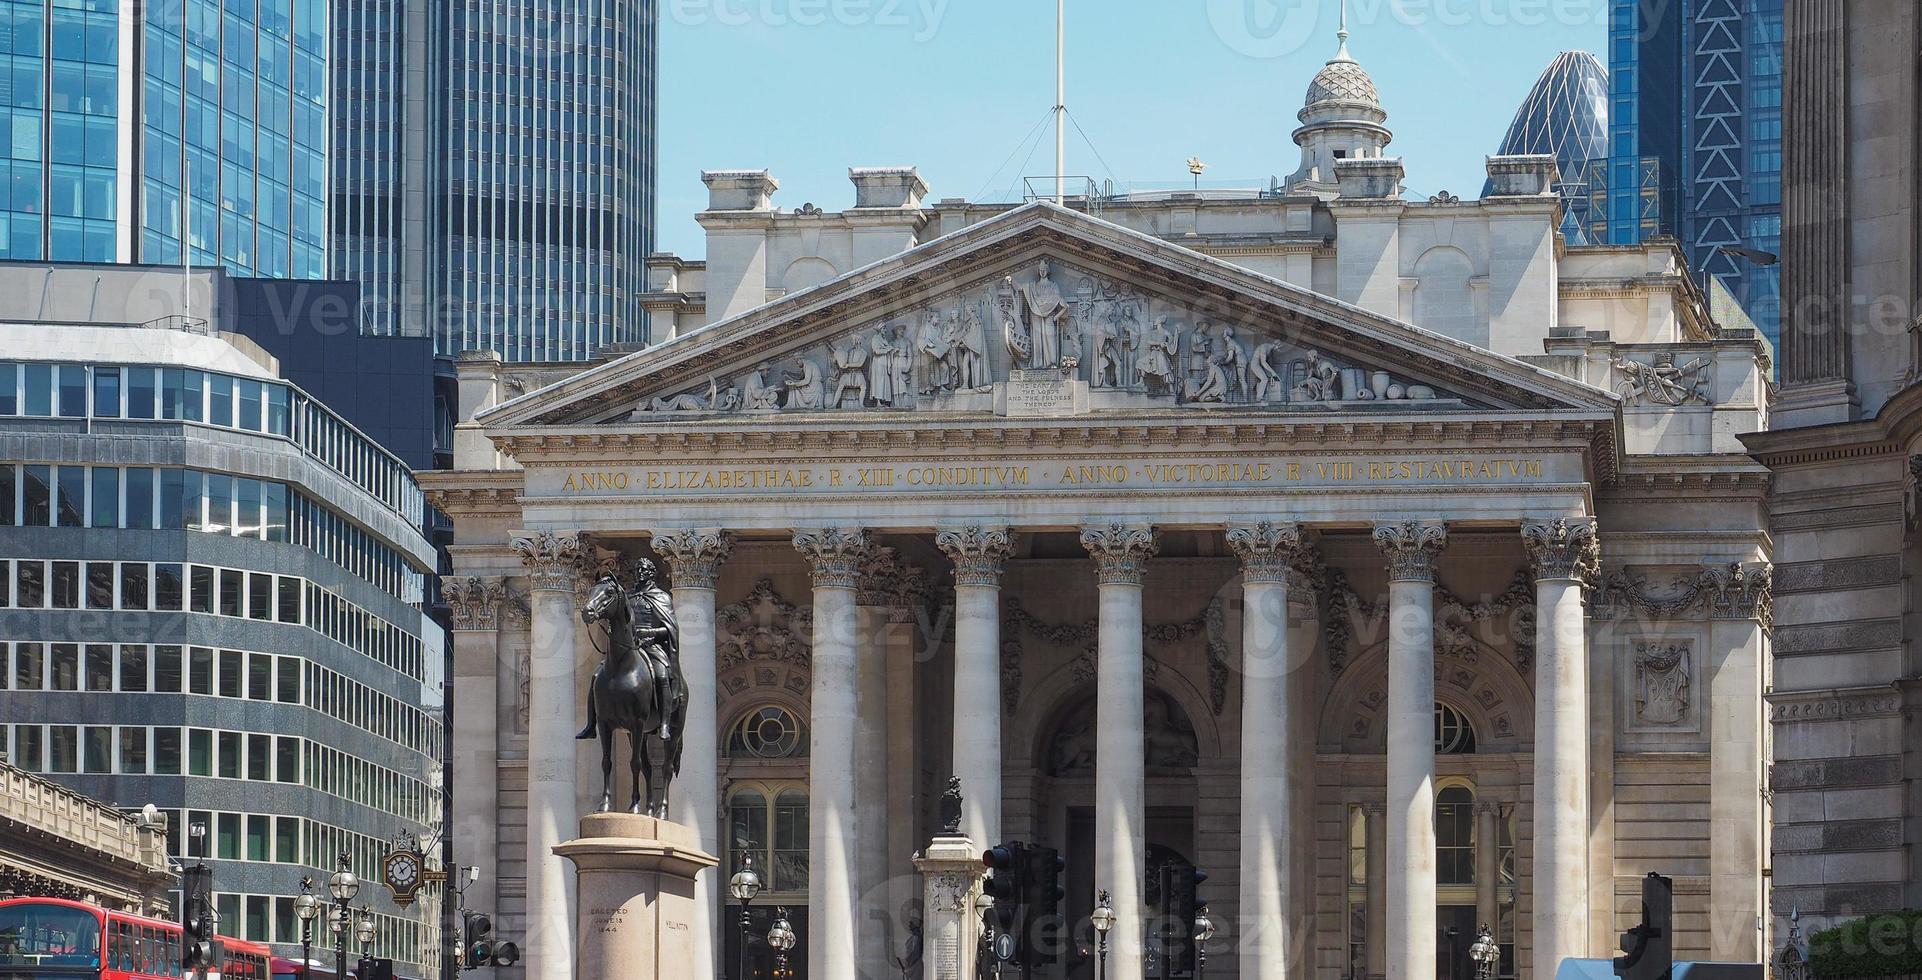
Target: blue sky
(809, 88)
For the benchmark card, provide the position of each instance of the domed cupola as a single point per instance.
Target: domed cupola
(1341, 118)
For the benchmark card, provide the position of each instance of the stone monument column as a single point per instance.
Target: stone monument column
(1268, 678)
(553, 564)
(1375, 829)
(835, 555)
(1564, 554)
(637, 897)
(978, 553)
(1120, 552)
(1411, 547)
(951, 870)
(694, 558)
(1488, 865)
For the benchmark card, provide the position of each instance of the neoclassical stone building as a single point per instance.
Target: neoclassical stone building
(1169, 533)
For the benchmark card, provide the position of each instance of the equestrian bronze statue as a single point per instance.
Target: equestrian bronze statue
(638, 687)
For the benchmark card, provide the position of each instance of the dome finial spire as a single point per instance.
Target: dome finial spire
(1341, 35)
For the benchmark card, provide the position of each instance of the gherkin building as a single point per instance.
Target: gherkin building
(1566, 114)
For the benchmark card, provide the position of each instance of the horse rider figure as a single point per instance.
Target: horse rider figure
(656, 636)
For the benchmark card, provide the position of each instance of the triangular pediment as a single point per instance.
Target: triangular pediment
(1043, 310)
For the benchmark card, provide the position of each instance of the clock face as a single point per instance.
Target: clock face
(403, 870)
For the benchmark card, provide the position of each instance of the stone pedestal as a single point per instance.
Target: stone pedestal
(950, 930)
(638, 909)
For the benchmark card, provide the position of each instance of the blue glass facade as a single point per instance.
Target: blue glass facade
(1696, 137)
(1566, 114)
(132, 130)
(550, 171)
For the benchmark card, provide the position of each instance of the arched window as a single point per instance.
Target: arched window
(1455, 836)
(1453, 733)
(768, 732)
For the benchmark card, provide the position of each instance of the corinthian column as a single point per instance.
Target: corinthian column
(1269, 674)
(1564, 554)
(835, 554)
(1121, 553)
(977, 553)
(474, 603)
(694, 558)
(553, 565)
(1411, 547)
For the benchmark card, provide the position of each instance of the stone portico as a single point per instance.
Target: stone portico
(1387, 632)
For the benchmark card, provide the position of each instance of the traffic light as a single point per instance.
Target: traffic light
(199, 952)
(477, 940)
(1005, 865)
(1041, 902)
(1649, 948)
(506, 954)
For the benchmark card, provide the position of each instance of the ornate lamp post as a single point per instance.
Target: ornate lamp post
(1103, 918)
(985, 964)
(343, 885)
(744, 886)
(306, 909)
(1204, 931)
(781, 939)
(1484, 953)
(364, 931)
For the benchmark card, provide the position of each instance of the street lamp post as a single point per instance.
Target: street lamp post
(1485, 953)
(364, 931)
(306, 907)
(1103, 918)
(781, 939)
(343, 885)
(1204, 931)
(744, 886)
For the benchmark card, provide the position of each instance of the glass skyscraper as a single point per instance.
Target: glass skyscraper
(1565, 114)
(1696, 137)
(131, 132)
(549, 153)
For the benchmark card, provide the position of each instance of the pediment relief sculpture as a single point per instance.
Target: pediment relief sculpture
(1131, 348)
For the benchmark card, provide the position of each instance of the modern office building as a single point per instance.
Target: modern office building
(1565, 115)
(549, 153)
(132, 129)
(211, 593)
(1696, 138)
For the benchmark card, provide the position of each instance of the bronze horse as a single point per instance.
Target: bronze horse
(638, 688)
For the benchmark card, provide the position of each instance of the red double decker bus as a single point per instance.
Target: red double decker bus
(58, 939)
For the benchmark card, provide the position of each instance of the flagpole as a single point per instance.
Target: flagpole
(1060, 101)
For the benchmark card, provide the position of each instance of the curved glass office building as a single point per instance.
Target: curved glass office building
(132, 132)
(1566, 114)
(210, 600)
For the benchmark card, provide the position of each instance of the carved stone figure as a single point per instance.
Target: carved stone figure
(1201, 350)
(717, 399)
(901, 362)
(1663, 383)
(806, 391)
(850, 373)
(1042, 314)
(967, 340)
(1661, 682)
(1115, 343)
(880, 368)
(638, 688)
(1267, 381)
(1323, 382)
(757, 394)
(931, 354)
(1157, 363)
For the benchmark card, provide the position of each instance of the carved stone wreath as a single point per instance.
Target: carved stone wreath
(764, 626)
(1455, 618)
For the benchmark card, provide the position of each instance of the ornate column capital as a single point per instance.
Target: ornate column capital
(1739, 591)
(977, 551)
(1564, 549)
(474, 600)
(1489, 809)
(1270, 551)
(1373, 809)
(694, 555)
(1411, 547)
(1120, 551)
(553, 559)
(835, 554)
